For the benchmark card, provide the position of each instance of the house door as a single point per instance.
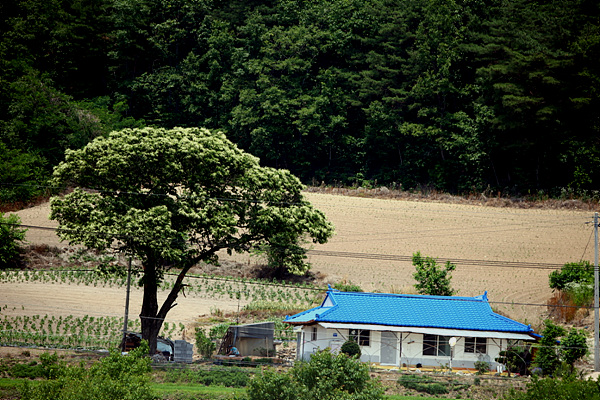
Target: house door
(389, 348)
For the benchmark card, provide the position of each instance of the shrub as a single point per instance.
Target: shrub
(578, 272)
(546, 357)
(48, 368)
(30, 370)
(115, 377)
(229, 377)
(325, 376)
(432, 279)
(482, 367)
(517, 359)
(11, 235)
(581, 293)
(423, 384)
(573, 347)
(558, 389)
(351, 348)
(204, 345)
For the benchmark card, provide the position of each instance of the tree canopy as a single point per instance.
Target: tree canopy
(575, 272)
(173, 198)
(432, 279)
(553, 352)
(462, 96)
(325, 376)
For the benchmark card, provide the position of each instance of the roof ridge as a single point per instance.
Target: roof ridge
(287, 317)
(481, 297)
(502, 317)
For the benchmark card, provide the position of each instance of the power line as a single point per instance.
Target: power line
(464, 262)
(374, 256)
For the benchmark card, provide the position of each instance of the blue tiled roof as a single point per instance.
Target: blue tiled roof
(449, 312)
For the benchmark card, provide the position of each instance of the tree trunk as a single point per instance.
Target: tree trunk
(149, 315)
(153, 318)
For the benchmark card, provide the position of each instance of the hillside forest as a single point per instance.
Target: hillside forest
(456, 95)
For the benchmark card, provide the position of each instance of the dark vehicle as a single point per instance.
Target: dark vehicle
(164, 346)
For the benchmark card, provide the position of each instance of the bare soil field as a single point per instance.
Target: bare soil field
(507, 251)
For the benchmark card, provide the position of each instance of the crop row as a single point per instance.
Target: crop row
(87, 332)
(201, 286)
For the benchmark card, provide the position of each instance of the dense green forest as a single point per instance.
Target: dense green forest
(456, 95)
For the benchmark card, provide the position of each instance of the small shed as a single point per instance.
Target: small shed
(250, 339)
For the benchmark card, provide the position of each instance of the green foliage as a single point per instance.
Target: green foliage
(431, 278)
(422, 383)
(11, 236)
(351, 348)
(325, 376)
(547, 355)
(174, 198)
(115, 377)
(218, 331)
(49, 367)
(455, 96)
(228, 377)
(482, 367)
(576, 272)
(558, 389)
(516, 359)
(20, 174)
(573, 347)
(582, 294)
(204, 345)
(285, 255)
(551, 354)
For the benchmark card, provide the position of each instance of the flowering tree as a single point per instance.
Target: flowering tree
(173, 198)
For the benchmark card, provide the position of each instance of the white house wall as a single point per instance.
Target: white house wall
(409, 347)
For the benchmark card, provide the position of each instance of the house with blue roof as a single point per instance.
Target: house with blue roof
(409, 330)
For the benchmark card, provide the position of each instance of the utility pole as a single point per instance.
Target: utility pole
(596, 309)
(126, 304)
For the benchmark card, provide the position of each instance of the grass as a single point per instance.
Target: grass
(399, 397)
(9, 388)
(220, 392)
(210, 392)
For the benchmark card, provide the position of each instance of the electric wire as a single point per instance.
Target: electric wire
(374, 256)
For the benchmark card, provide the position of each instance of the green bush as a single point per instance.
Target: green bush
(547, 355)
(582, 294)
(205, 345)
(30, 370)
(115, 377)
(351, 348)
(422, 384)
(482, 367)
(558, 389)
(516, 359)
(578, 272)
(229, 377)
(48, 368)
(11, 235)
(325, 376)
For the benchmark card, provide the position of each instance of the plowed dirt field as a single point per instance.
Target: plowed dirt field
(506, 251)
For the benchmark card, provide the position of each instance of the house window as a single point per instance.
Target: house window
(434, 345)
(314, 334)
(361, 336)
(476, 345)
